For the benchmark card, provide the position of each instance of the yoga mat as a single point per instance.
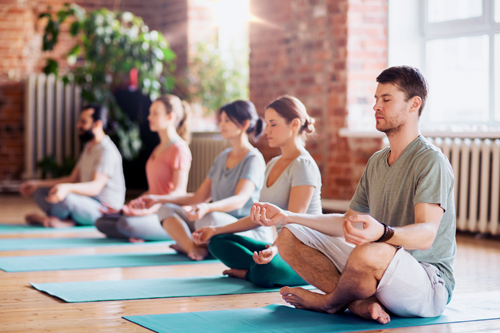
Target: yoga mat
(66, 262)
(14, 244)
(26, 229)
(281, 318)
(74, 292)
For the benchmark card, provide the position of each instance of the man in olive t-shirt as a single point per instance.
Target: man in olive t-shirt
(394, 248)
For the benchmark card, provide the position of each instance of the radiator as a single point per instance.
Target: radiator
(205, 146)
(51, 110)
(476, 165)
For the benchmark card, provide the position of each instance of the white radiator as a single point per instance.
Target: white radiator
(51, 110)
(476, 164)
(205, 146)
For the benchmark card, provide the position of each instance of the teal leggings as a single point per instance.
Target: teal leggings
(236, 252)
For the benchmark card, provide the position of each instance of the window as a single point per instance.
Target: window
(456, 43)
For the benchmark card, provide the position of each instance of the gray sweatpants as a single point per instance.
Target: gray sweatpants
(81, 209)
(144, 227)
(214, 219)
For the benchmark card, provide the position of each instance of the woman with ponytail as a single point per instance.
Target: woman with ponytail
(167, 172)
(229, 191)
(292, 182)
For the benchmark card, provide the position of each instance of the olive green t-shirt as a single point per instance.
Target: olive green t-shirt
(422, 174)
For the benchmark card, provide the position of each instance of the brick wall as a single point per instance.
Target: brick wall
(20, 53)
(327, 53)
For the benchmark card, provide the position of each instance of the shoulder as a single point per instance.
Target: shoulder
(107, 146)
(255, 156)
(180, 146)
(222, 156)
(428, 156)
(304, 163)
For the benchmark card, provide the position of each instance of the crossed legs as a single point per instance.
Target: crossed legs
(354, 288)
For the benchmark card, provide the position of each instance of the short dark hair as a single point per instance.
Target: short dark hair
(100, 113)
(240, 111)
(409, 80)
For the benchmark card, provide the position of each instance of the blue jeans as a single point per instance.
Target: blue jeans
(80, 209)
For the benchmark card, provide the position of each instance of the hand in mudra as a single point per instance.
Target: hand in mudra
(267, 214)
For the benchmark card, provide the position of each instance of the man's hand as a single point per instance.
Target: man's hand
(28, 188)
(372, 229)
(265, 256)
(267, 214)
(196, 212)
(203, 235)
(58, 193)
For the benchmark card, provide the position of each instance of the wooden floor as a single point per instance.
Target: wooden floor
(24, 309)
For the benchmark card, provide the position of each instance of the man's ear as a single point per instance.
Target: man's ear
(415, 103)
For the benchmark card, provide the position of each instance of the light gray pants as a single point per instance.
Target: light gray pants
(144, 227)
(80, 209)
(214, 219)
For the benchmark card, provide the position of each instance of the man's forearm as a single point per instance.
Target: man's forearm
(418, 236)
(329, 224)
(53, 182)
(89, 189)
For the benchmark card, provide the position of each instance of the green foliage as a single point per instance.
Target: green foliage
(216, 80)
(50, 167)
(108, 45)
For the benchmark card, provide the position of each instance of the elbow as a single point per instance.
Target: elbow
(427, 242)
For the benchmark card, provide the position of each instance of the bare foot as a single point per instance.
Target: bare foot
(198, 252)
(237, 273)
(370, 309)
(305, 299)
(177, 248)
(135, 240)
(54, 222)
(34, 219)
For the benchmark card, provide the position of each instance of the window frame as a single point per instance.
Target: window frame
(476, 26)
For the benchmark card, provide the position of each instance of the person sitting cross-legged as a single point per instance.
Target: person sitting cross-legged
(292, 181)
(96, 180)
(393, 251)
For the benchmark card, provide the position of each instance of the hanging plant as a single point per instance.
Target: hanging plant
(108, 45)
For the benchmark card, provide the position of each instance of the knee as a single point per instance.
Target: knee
(371, 255)
(286, 243)
(167, 210)
(217, 244)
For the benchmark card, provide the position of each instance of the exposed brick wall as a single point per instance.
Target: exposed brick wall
(20, 53)
(326, 53)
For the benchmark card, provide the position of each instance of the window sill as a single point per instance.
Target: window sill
(369, 134)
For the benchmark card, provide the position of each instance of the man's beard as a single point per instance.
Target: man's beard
(393, 125)
(86, 136)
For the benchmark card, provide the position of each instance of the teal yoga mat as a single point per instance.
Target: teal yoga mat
(281, 318)
(14, 244)
(74, 292)
(67, 262)
(26, 229)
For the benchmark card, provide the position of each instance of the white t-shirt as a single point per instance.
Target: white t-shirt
(104, 158)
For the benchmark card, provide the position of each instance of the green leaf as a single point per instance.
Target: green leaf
(74, 28)
(51, 67)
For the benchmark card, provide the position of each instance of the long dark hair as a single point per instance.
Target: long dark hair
(240, 111)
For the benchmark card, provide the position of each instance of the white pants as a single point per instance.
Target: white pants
(408, 288)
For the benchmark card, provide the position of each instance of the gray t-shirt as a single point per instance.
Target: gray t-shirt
(104, 158)
(422, 174)
(302, 171)
(224, 181)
